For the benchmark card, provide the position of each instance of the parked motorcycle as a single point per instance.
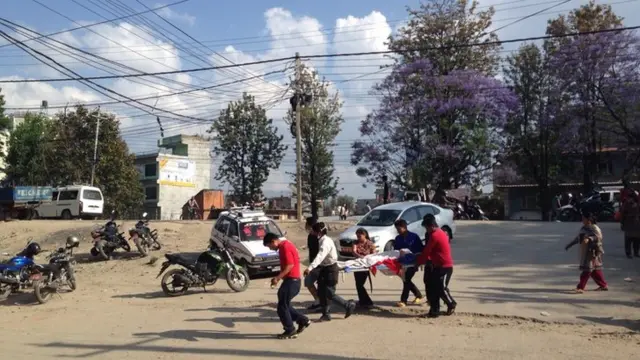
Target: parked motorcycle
(51, 278)
(107, 239)
(144, 237)
(476, 213)
(593, 202)
(459, 213)
(19, 273)
(205, 271)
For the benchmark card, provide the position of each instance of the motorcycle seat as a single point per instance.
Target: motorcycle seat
(45, 268)
(181, 259)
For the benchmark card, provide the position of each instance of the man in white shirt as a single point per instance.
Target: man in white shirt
(327, 262)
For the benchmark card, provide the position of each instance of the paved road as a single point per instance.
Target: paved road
(521, 268)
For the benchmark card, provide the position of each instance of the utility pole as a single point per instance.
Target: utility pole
(95, 149)
(298, 111)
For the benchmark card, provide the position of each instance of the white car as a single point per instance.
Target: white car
(379, 224)
(243, 230)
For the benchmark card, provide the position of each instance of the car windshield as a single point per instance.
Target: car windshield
(379, 217)
(255, 231)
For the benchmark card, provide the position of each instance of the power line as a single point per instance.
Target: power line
(103, 22)
(335, 55)
(29, 49)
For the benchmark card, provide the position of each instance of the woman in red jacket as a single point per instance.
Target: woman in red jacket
(437, 254)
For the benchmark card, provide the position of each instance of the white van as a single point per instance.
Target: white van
(74, 201)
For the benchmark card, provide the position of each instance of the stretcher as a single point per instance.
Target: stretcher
(381, 268)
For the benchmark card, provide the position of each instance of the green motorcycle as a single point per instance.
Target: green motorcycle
(203, 272)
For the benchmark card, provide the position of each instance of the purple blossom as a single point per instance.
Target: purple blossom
(454, 119)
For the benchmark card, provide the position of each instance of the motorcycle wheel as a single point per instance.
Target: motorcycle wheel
(5, 291)
(101, 251)
(168, 279)
(142, 246)
(237, 279)
(42, 292)
(126, 247)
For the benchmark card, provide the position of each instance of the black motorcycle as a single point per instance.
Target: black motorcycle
(204, 271)
(476, 213)
(107, 239)
(459, 213)
(56, 275)
(144, 237)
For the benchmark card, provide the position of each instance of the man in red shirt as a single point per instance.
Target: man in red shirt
(290, 276)
(437, 256)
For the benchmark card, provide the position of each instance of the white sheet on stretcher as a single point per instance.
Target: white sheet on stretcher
(368, 261)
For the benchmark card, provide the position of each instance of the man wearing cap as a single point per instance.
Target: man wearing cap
(437, 256)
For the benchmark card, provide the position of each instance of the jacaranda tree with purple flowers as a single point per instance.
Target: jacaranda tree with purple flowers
(593, 72)
(433, 129)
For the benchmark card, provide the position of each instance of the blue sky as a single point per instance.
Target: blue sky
(239, 31)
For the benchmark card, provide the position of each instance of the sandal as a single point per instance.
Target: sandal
(602, 289)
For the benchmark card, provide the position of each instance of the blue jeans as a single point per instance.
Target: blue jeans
(287, 314)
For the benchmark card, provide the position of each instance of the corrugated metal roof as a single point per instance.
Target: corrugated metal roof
(608, 183)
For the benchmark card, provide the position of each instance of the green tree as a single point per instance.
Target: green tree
(249, 145)
(67, 146)
(319, 126)
(5, 123)
(29, 147)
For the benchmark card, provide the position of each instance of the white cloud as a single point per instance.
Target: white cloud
(138, 49)
(169, 14)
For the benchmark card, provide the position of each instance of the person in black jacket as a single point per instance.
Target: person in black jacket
(311, 279)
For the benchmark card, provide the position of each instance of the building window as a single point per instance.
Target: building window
(605, 168)
(151, 170)
(530, 202)
(151, 193)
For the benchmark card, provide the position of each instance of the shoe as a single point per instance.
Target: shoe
(432, 315)
(314, 306)
(451, 309)
(303, 325)
(636, 255)
(401, 304)
(629, 256)
(578, 291)
(324, 318)
(288, 335)
(602, 289)
(351, 306)
(418, 300)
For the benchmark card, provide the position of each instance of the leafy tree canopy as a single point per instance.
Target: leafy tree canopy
(249, 145)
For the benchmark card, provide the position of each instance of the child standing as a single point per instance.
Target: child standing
(591, 252)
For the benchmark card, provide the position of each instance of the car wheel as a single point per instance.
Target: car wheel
(66, 215)
(389, 245)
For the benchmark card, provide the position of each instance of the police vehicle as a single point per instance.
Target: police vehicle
(243, 229)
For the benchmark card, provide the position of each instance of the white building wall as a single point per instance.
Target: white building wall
(172, 198)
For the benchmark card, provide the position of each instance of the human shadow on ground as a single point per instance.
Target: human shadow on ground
(159, 294)
(259, 314)
(98, 349)
(633, 325)
(513, 297)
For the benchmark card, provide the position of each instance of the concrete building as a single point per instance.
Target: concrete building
(172, 175)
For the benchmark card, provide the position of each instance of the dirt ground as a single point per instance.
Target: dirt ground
(510, 280)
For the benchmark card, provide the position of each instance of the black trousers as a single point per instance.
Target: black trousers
(409, 286)
(287, 314)
(327, 281)
(631, 242)
(438, 288)
(425, 279)
(363, 296)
